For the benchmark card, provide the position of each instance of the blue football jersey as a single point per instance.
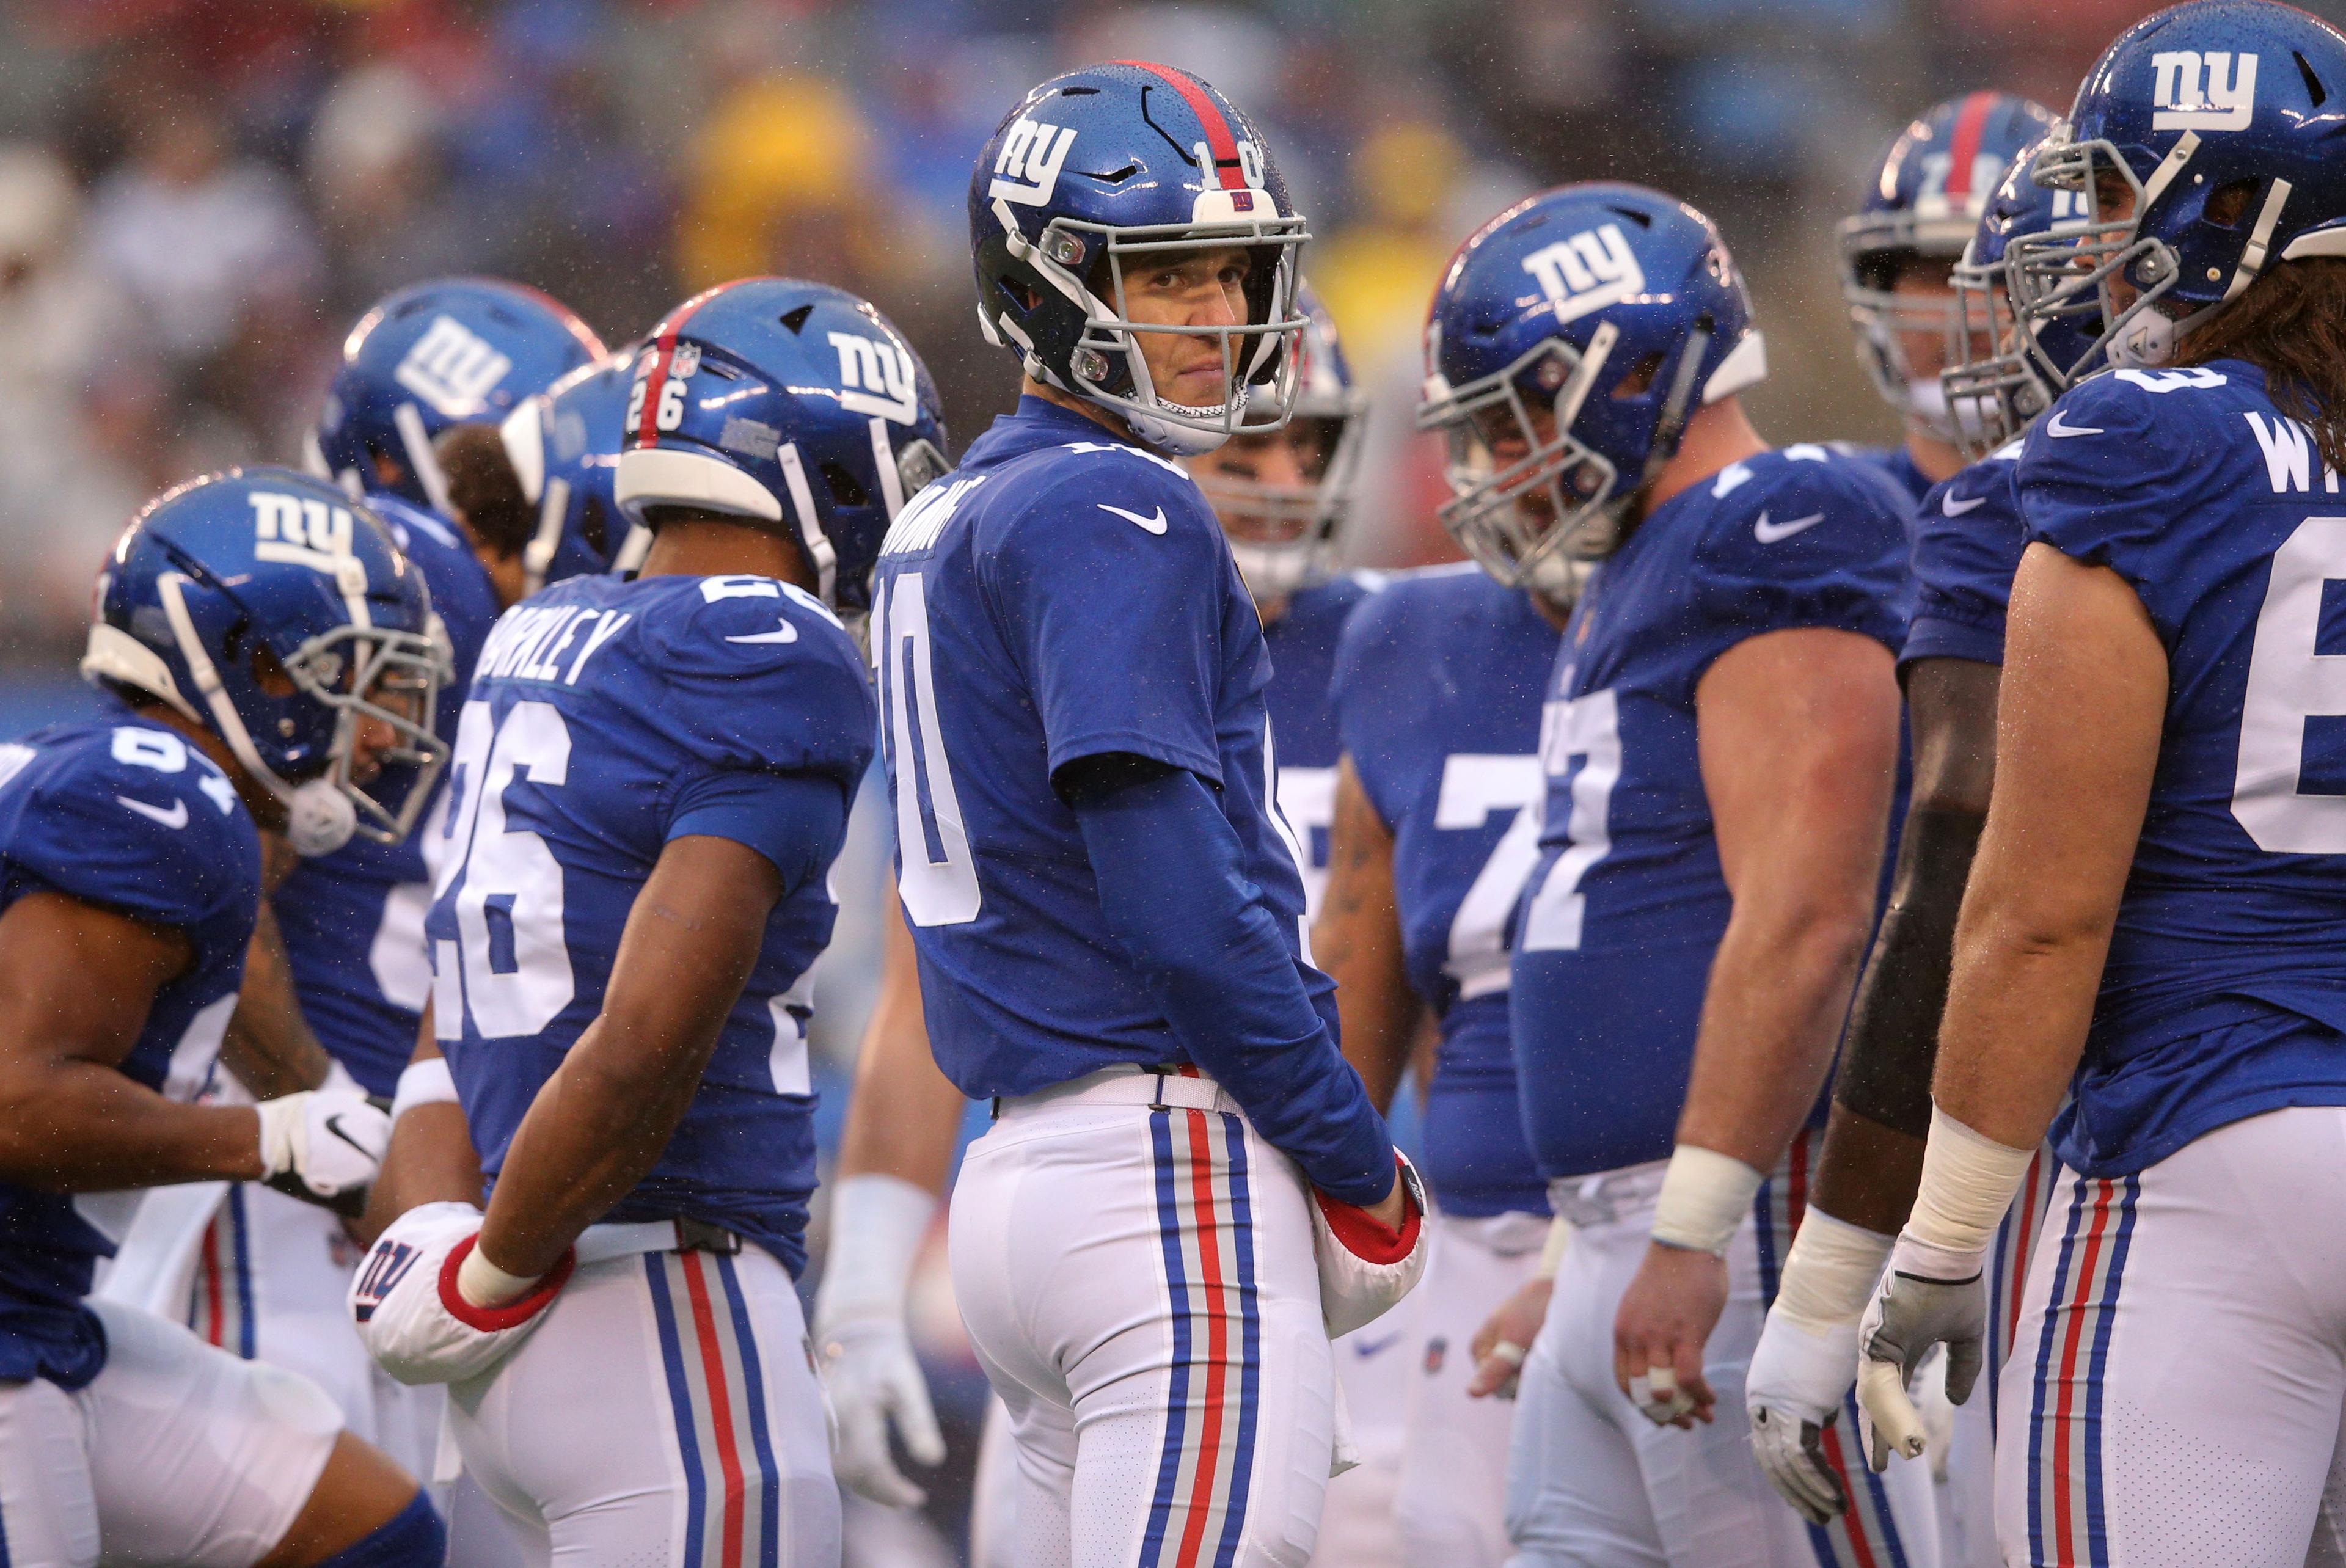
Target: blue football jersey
(1302, 644)
(606, 717)
(353, 920)
(122, 812)
(1063, 594)
(1894, 461)
(1965, 543)
(2225, 991)
(1623, 911)
(1439, 682)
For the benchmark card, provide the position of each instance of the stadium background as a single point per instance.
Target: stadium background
(198, 197)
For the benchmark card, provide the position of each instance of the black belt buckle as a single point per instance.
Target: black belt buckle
(700, 1236)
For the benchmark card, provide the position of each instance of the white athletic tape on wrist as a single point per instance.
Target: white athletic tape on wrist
(1829, 1274)
(877, 1225)
(483, 1284)
(424, 1083)
(1706, 1197)
(1552, 1251)
(1968, 1181)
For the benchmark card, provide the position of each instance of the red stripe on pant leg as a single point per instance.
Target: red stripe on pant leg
(212, 1302)
(1852, 1520)
(1209, 1277)
(2081, 1289)
(720, 1405)
(1796, 1188)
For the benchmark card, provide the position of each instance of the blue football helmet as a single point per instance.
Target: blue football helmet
(212, 575)
(1100, 171)
(1571, 338)
(2012, 368)
(1284, 536)
(1924, 203)
(2221, 119)
(563, 445)
(795, 406)
(457, 350)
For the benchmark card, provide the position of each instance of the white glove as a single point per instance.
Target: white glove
(411, 1316)
(1797, 1378)
(1928, 1296)
(1364, 1269)
(325, 1146)
(869, 1371)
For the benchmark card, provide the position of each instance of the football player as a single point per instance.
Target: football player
(1896, 253)
(1967, 543)
(1719, 746)
(346, 929)
(655, 776)
(533, 493)
(1439, 681)
(1104, 896)
(1282, 499)
(266, 654)
(2150, 928)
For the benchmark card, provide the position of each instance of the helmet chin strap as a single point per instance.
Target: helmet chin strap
(320, 818)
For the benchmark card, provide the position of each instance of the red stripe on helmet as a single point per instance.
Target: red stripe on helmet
(1963, 149)
(663, 352)
(1219, 142)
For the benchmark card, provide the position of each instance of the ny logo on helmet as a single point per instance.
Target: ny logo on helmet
(451, 368)
(1592, 270)
(2190, 90)
(877, 377)
(1027, 169)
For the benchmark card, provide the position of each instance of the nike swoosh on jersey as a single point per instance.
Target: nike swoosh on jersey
(2057, 427)
(177, 816)
(1147, 525)
(787, 634)
(1768, 532)
(1953, 507)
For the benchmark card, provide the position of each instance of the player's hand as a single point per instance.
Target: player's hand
(1927, 1296)
(1505, 1338)
(1366, 1266)
(874, 1381)
(1659, 1334)
(412, 1317)
(1793, 1391)
(325, 1146)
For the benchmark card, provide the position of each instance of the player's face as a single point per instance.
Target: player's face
(1924, 297)
(1240, 474)
(2113, 203)
(1201, 287)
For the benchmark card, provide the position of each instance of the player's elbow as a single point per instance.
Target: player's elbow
(28, 1120)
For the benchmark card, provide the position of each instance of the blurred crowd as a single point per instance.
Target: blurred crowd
(199, 197)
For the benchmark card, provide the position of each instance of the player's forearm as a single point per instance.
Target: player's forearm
(1778, 991)
(1378, 1011)
(596, 1128)
(2018, 1013)
(81, 1127)
(268, 1044)
(905, 1113)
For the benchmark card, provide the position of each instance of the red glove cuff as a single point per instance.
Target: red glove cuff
(511, 1314)
(1367, 1238)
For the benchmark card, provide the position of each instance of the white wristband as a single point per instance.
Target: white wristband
(1829, 1275)
(1968, 1181)
(483, 1284)
(1559, 1237)
(424, 1083)
(1706, 1197)
(877, 1225)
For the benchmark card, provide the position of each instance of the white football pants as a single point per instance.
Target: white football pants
(2178, 1382)
(1594, 1484)
(665, 1414)
(1139, 1287)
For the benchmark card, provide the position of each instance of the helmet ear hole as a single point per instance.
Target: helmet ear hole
(2229, 203)
(844, 489)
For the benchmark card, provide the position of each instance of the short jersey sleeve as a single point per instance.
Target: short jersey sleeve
(1110, 584)
(139, 822)
(1823, 546)
(1363, 692)
(1967, 542)
(2106, 476)
(757, 675)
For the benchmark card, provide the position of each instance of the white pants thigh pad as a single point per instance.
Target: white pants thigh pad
(1139, 1287)
(1593, 1482)
(1453, 1495)
(2176, 1383)
(176, 1453)
(665, 1411)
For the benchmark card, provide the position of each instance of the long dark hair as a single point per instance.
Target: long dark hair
(2291, 324)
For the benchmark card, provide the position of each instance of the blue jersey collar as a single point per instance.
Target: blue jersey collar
(1037, 423)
